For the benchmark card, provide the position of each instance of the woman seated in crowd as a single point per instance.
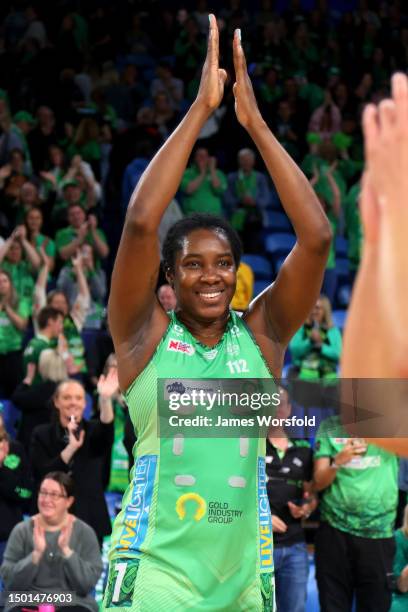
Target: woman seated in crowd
(54, 551)
(316, 346)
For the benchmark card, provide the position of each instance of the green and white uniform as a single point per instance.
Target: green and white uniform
(195, 529)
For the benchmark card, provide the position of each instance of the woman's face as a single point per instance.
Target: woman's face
(53, 502)
(59, 301)
(318, 312)
(34, 220)
(205, 275)
(17, 162)
(56, 156)
(15, 252)
(5, 284)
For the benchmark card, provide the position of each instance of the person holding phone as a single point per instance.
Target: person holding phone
(354, 544)
(78, 447)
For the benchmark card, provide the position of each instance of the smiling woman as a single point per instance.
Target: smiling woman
(162, 559)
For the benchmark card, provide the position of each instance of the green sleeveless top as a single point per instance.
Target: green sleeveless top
(195, 530)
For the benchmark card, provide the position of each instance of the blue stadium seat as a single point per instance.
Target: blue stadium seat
(260, 285)
(343, 296)
(342, 269)
(279, 244)
(260, 266)
(339, 318)
(341, 246)
(277, 221)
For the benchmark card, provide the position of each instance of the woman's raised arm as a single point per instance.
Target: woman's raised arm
(283, 308)
(132, 301)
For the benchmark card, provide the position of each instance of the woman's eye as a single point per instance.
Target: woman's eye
(225, 263)
(192, 264)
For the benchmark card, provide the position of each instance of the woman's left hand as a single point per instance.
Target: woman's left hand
(65, 536)
(246, 107)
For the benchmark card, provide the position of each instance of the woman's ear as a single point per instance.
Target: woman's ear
(70, 501)
(170, 278)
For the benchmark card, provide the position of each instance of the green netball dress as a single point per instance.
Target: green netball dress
(195, 531)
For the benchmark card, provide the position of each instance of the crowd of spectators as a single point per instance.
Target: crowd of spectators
(88, 92)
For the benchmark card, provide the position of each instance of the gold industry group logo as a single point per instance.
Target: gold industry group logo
(181, 503)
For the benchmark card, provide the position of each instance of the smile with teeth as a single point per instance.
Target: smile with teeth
(210, 295)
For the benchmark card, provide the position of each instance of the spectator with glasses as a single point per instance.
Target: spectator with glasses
(54, 551)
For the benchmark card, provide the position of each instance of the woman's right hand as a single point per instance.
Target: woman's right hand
(213, 77)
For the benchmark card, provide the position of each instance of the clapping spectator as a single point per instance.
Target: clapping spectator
(54, 551)
(15, 486)
(326, 119)
(203, 185)
(76, 446)
(167, 297)
(246, 197)
(20, 268)
(96, 279)
(316, 346)
(14, 315)
(81, 231)
(33, 225)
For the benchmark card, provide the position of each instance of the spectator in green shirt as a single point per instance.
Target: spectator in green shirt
(14, 315)
(33, 224)
(203, 185)
(50, 325)
(354, 230)
(20, 259)
(355, 542)
(316, 346)
(400, 597)
(81, 230)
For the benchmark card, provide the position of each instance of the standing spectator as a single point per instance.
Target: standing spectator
(289, 471)
(14, 314)
(34, 401)
(168, 84)
(354, 544)
(50, 323)
(74, 315)
(54, 551)
(316, 346)
(15, 487)
(400, 596)
(23, 124)
(203, 185)
(247, 195)
(326, 119)
(78, 447)
(164, 116)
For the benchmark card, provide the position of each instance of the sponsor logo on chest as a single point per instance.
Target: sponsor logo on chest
(180, 347)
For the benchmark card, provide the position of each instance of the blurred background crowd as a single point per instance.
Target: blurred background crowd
(88, 93)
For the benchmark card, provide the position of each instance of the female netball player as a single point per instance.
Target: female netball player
(167, 555)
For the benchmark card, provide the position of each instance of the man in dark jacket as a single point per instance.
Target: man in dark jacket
(71, 444)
